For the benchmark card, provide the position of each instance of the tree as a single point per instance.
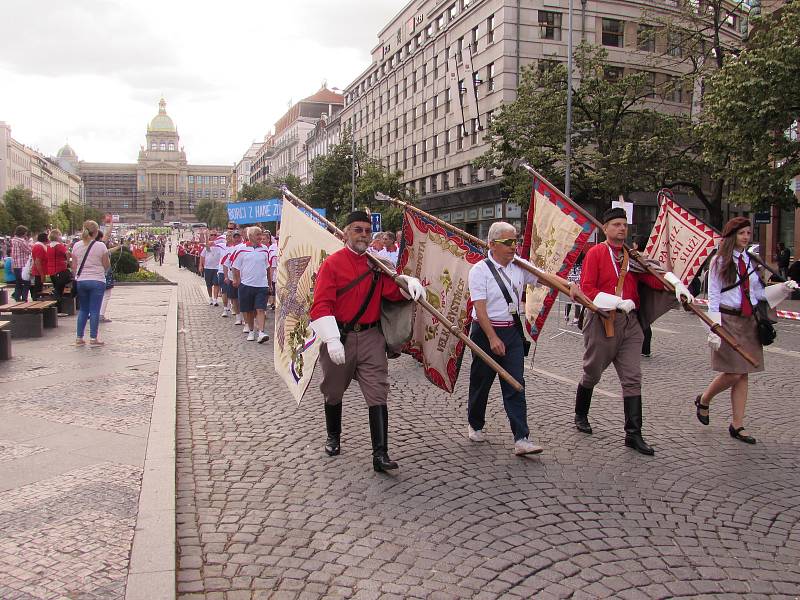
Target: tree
(750, 122)
(620, 142)
(23, 209)
(215, 214)
(6, 225)
(271, 188)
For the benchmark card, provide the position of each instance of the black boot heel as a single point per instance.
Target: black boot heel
(737, 434)
(379, 431)
(700, 406)
(333, 423)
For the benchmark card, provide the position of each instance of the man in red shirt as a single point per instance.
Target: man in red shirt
(39, 267)
(606, 280)
(345, 316)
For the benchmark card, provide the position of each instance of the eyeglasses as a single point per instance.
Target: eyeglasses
(360, 230)
(507, 242)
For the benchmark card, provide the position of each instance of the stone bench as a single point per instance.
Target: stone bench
(29, 319)
(5, 340)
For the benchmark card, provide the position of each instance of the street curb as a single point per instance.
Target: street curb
(124, 283)
(151, 572)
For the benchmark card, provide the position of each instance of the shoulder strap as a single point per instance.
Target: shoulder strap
(506, 295)
(85, 256)
(353, 283)
(363, 309)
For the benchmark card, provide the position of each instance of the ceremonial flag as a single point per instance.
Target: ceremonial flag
(441, 260)
(680, 241)
(555, 235)
(303, 247)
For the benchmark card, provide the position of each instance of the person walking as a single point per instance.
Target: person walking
(209, 263)
(784, 258)
(734, 289)
(345, 315)
(606, 280)
(20, 254)
(58, 257)
(109, 282)
(90, 262)
(250, 272)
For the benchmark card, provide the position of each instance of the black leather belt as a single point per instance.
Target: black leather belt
(359, 326)
(736, 312)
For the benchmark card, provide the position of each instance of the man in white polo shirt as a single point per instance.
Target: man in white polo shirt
(250, 277)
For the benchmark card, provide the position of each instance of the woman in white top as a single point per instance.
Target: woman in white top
(734, 289)
(89, 262)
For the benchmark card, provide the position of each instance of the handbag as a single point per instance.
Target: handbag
(74, 289)
(109, 279)
(526, 344)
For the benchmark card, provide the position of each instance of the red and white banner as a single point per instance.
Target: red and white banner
(679, 240)
(441, 260)
(555, 236)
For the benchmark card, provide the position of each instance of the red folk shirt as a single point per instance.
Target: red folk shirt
(39, 252)
(338, 270)
(599, 274)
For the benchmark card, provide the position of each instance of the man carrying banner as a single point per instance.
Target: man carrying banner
(605, 279)
(495, 286)
(345, 316)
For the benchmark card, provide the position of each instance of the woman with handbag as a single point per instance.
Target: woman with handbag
(734, 291)
(58, 256)
(90, 263)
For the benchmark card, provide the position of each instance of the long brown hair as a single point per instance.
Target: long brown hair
(726, 269)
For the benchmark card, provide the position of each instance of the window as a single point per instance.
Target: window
(447, 142)
(436, 106)
(550, 25)
(453, 10)
(413, 155)
(650, 84)
(730, 21)
(490, 29)
(490, 77)
(673, 89)
(171, 146)
(207, 179)
(433, 184)
(429, 31)
(646, 38)
(153, 146)
(440, 22)
(459, 49)
(425, 144)
(162, 146)
(436, 146)
(613, 33)
(191, 178)
(425, 108)
(613, 74)
(674, 45)
(474, 138)
(474, 34)
(405, 158)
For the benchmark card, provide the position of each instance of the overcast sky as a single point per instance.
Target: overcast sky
(91, 72)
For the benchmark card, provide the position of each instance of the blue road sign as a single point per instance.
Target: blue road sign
(376, 222)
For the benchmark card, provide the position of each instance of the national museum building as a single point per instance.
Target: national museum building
(161, 185)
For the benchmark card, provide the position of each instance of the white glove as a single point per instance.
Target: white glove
(626, 305)
(680, 289)
(775, 294)
(328, 332)
(714, 341)
(607, 301)
(415, 289)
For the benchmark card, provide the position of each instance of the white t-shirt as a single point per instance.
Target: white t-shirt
(93, 269)
(252, 265)
(225, 258)
(273, 260)
(212, 257)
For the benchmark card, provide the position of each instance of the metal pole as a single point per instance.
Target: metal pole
(353, 172)
(568, 145)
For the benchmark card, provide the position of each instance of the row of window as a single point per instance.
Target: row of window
(207, 194)
(208, 179)
(453, 178)
(162, 146)
(454, 51)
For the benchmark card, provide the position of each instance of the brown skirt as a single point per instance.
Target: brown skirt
(726, 359)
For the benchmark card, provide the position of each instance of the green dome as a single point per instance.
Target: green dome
(162, 121)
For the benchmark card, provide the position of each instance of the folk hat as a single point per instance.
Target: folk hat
(358, 216)
(614, 213)
(734, 225)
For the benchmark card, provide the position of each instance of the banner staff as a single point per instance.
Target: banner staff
(715, 327)
(452, 328)
(548, 279)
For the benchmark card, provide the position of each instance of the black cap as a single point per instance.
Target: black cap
(358, 216)
(614, 213)
(235, 233)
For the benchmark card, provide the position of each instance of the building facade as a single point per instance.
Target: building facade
(161, 185)
(244, 168)
(325, 135)
(442, 69)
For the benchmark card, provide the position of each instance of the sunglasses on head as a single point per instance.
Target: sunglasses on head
(360, 230)
(507, 241)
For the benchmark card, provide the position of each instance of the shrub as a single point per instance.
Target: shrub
(122, 261)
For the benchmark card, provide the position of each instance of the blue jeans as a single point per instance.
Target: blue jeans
(20, 287)
(481, 377)
(90, 296)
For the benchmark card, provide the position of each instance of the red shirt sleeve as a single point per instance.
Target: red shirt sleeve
(324, 291)
(590, 273)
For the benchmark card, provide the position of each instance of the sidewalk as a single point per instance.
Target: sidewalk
(74, 428)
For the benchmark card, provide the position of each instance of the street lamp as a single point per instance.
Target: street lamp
(568, 143)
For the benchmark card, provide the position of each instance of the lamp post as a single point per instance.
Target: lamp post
(353, 171)
(568, 142)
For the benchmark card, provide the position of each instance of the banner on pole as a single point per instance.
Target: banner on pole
(555, 236)
(303, 247)
(441, 260)
(679, 240)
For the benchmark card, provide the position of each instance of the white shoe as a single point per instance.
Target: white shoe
(210, 302)
(475, 436)
(224, 312)
(262, 337)
(238, 320)
(251, 337)
(216, 302)
(245, 329)
(524, 446)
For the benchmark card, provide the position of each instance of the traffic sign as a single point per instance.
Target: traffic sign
(761, 217)
(376, 222)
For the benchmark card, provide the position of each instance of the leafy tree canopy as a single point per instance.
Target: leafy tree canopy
(215, 214)
(22, 209)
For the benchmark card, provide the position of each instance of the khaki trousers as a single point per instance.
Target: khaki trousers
(624, 350)
(365, 361)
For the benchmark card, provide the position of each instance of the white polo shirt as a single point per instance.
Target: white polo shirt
(212, 257)
(252, 265)
(483, 286)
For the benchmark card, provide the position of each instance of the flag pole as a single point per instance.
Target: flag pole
(376, 262)
(714, 327)
(549, 279)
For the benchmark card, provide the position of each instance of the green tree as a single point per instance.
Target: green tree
(23, 209)
(750, 120)
(621, 143)
(271, 188)
(215, 214)
(6, 225)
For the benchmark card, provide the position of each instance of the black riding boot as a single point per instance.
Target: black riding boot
(333, 423)
(379, 430)
(583, 400)
(633, 425)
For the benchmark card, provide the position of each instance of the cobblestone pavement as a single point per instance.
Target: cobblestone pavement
(263, 513)
(73, 433)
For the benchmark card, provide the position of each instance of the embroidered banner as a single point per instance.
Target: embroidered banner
(555, 236)
(679, 240)
(303, 247)
(441, 260)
